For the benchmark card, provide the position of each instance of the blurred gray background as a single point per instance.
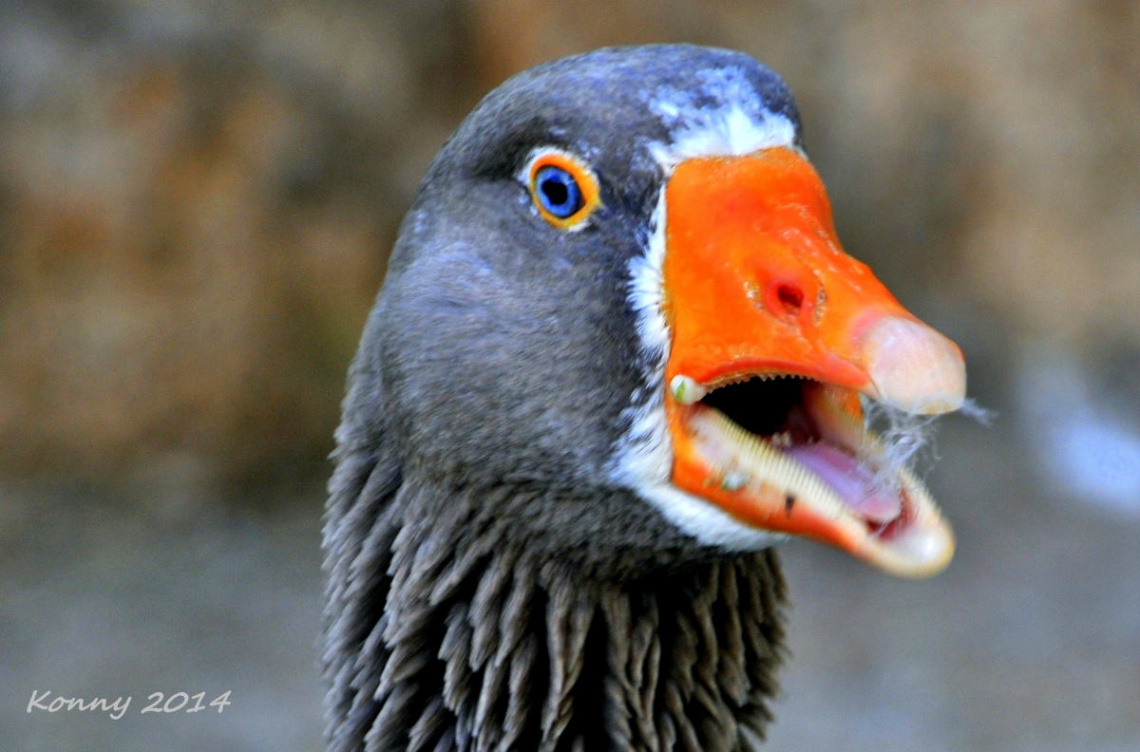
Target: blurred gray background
(196, 203)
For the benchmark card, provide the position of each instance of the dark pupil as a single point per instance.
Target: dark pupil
(558, 192)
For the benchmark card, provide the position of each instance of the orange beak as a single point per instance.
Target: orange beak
(758, 287)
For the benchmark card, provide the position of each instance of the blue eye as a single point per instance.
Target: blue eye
(558, 191)
(563, 187)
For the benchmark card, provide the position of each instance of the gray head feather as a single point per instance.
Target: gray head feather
(489, 586)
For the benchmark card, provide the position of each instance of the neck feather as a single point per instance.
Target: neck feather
(452, 634)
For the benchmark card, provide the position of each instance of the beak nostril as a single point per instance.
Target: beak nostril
(790, 298)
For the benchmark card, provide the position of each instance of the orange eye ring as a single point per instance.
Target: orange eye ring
(563, 188)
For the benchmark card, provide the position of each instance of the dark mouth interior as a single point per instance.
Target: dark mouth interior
(766, 407)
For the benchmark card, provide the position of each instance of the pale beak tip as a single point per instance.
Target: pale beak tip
(913, 367)
(920, 553)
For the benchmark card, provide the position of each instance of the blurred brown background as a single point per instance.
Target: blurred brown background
(196, 202)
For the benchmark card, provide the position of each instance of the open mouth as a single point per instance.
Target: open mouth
(785, 452)
(776, 338)
(809, 423)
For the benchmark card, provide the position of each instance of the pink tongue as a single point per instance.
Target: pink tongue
(852, 480)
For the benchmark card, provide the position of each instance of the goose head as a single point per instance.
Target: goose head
(618, 341)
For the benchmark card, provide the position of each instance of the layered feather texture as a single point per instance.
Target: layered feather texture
(455, 636)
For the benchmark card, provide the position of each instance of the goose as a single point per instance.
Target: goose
(619, 354)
